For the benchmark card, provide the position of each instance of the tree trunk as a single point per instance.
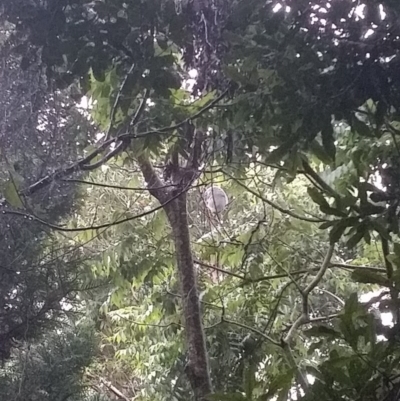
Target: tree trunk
(197, 368)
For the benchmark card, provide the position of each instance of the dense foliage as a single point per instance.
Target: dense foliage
(292, 107)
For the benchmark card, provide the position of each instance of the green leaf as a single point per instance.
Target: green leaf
(337, 231)
(340, 226)
(380, 228)
(279, 384)
(357, 237)
(381, 110)
(235, 75)
(327, 224)
(317, 197)
(332, 211)
(162, 42)
(320, 152)
(368, 209)
(11, 195)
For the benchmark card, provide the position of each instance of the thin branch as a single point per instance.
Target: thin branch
(110, 387)
(292, 362)
(324, 267)
(353, 267)
(323, 318)
(160, 326)
(332, 295)
(248, 281)
(249, 328)
(303, 318)
(208, 266)
(106, 225)
(308, 170)
(140, 109)
(394, 293)
(103, 185)
(115, 105)
(274, 205)
(77, 166)
(118, 149)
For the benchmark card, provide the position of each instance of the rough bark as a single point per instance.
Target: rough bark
(197, 367)
(174, 199)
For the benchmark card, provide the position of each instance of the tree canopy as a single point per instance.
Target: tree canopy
(118, 116)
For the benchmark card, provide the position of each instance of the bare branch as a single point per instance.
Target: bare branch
(106, 225)
(249, 328)
(208, 266)
(303, 318)
(104, 185)
(118, 149)
(353, 267)
(115, 105)
(274, 205)
(324, 267)
(140, 109)
(77, 166)
(323, 318)
(110, 387)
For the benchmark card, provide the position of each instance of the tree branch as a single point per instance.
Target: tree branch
(115, 105)
(103, 185)
(152, 179)
(303, 318)
(77, 166)
(274, 205)
(249, 328)
(106, 225)
(109, 385)
(353, 267)
(118, 149)
(208, 266)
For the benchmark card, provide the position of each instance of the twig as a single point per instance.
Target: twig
(208, 266)
(115, 105)
(249, 328)
(106, 225)
(274, 205)
(323, 318)
(332, 295)
(103, 185)
(109, 385)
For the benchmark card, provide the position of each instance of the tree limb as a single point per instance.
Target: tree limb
(115, 105)
(303, 318)
(156, 187)
(105, 225)
(77, 166)
(254, 330)
(274, 205)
